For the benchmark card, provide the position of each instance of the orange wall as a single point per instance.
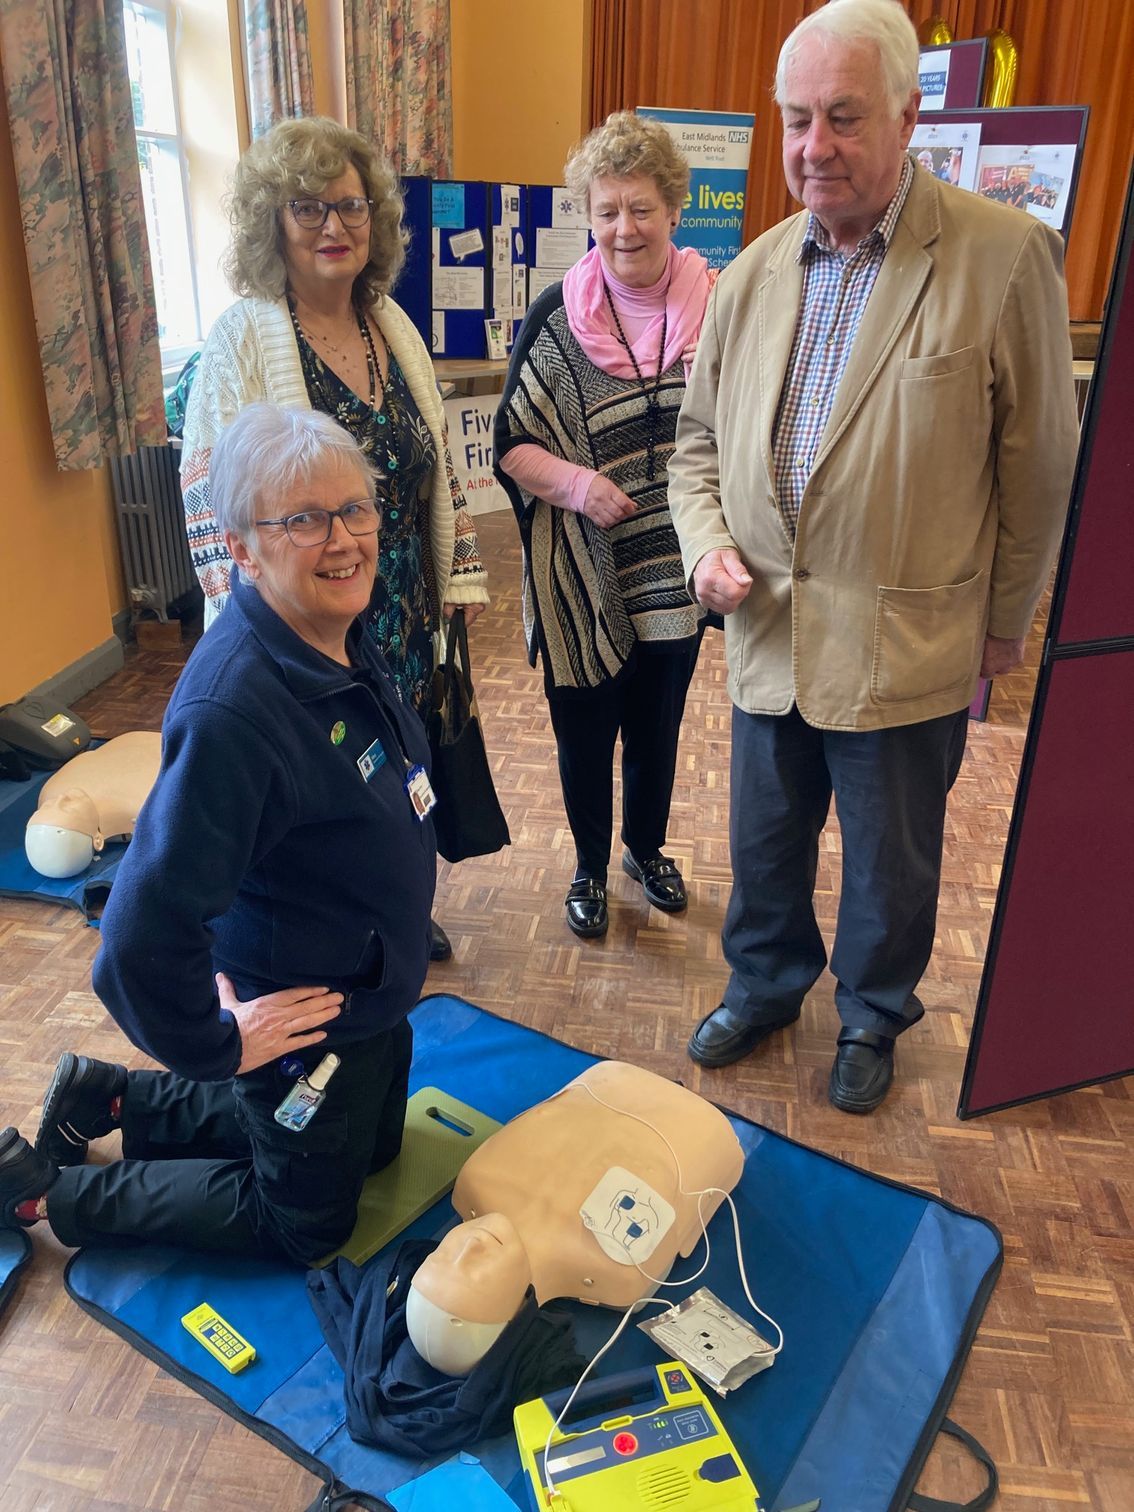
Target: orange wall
(521, 81)
(59, 578)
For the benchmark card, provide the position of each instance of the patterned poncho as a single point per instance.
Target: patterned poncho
(591, 595)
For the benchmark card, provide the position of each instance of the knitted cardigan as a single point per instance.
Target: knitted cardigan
(251, 354)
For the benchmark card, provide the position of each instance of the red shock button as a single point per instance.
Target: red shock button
(625, 1443)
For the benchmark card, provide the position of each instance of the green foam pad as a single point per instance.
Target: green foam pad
(441, 1133)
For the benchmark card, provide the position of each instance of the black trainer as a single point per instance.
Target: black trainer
(24, 1174)
(77, 1107)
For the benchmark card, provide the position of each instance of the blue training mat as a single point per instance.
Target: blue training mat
(15, 1252)
(18, 879)
(879, 1289)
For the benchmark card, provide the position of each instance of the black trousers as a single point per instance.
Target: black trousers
(890, 788)
(205, 1164)
(645, 706)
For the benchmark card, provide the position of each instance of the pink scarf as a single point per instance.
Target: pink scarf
(686, 282)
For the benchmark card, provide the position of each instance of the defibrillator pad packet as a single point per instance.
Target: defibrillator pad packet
(716, 1343)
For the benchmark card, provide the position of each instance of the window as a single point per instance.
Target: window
(149, 45)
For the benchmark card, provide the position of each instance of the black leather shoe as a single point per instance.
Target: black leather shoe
(862, 1072)
(77, 1107)
(722, 1037)
(24, 1174)
(661, 881)
(440, 946)
(586, 908)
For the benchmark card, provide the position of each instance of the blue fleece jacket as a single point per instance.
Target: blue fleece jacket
(264, 852)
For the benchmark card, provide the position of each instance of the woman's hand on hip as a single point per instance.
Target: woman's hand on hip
(605, 503)
(278, 1022)
(472, 611)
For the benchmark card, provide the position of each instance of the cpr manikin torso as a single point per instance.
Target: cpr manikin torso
(598, 1144)
(93, 798)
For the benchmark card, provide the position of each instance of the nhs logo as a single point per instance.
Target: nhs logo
(739, 136)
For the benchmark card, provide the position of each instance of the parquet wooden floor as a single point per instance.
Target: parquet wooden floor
(89, 1425)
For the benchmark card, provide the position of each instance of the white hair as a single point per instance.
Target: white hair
(882, 22)
(265, 451)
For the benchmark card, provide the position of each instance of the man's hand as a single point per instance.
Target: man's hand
(472, 611)
(721, 581)
(1001, 655)
(278, 1022)
(605, 503)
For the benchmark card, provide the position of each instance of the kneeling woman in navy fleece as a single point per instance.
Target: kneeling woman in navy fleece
(273, 905)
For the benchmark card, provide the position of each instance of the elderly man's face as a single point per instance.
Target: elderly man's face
(842, 144)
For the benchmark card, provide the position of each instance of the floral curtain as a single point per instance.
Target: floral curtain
(76, 160)
(279, 62)
(399, 85)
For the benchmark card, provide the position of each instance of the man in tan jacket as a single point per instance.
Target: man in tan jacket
(872, 470)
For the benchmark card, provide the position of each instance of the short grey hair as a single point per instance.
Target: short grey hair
(629, 146)
(265, 452)
(882, 22)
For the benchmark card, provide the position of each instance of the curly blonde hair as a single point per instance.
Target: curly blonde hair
(301, 157)
(629, 146)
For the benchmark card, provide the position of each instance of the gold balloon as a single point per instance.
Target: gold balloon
(934, 32)
(1000, 83)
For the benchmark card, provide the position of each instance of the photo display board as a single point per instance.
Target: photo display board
(1027, 157)
(951, 76)
(1054, 1009)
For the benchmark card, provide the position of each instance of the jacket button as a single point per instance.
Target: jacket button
(801, 574)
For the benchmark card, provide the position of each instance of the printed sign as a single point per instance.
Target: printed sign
(470, 444)
(717, 145)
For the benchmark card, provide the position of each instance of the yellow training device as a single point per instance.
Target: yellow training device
(648, 1439)
(219, 1338)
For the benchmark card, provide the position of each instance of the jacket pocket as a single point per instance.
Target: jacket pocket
(938, 365)
(926, 640)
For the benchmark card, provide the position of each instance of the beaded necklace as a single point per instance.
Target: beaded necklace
(372, 368)
(653, 403)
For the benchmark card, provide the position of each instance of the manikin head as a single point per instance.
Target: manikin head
(465, 1294)
(62, 837)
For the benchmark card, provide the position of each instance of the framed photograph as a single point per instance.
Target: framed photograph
(948, 152)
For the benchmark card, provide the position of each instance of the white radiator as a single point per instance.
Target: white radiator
(151, 529)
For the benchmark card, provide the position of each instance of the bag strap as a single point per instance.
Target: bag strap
(457, 639)
(335, 1497)
(983, 1499)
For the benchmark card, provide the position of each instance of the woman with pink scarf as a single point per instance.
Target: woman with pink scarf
(584, 431)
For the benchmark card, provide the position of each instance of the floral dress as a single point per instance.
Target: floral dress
(401, 450)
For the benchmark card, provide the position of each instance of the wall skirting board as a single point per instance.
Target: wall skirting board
(81, 676)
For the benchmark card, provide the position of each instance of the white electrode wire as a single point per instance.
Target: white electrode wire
(700, 1196)
(622, 1322)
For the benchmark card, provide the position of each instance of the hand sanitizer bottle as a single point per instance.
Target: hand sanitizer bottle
(304, 1100)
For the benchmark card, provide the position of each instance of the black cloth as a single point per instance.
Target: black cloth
(206, 1165)
(396, 1401)
(645, 706)
(890, 788)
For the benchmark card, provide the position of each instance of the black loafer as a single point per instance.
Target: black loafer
(24, 1174)
(862, 1072)
(440, 946)
(586, 908)
(77, 1107)
(722, 1037)
(661, 881)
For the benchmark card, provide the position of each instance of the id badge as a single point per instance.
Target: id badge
(421, 794)
(371, 759)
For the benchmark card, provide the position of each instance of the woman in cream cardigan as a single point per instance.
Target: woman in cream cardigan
(317, 242)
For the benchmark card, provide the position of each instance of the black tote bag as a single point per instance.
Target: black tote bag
(468, 820)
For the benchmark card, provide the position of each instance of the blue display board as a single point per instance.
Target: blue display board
(444, 285)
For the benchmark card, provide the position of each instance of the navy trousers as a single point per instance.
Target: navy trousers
(890, 788)
(646, 706)
(205, 1164)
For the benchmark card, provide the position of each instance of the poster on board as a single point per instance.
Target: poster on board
(470, 419)
(717, 145)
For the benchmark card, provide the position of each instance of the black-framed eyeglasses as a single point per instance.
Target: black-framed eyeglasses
(312, 527)
(311, 214)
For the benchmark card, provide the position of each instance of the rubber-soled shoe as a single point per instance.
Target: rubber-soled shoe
(661, 881)
(862, 1071)
(722, 1037)
(24, 1174)
(440, 946)
(76, 1108)
(587, 914)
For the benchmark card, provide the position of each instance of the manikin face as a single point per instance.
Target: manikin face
(479, 1272)
(331, 257)
(843, 145)
(316, 590)
(632, 227)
